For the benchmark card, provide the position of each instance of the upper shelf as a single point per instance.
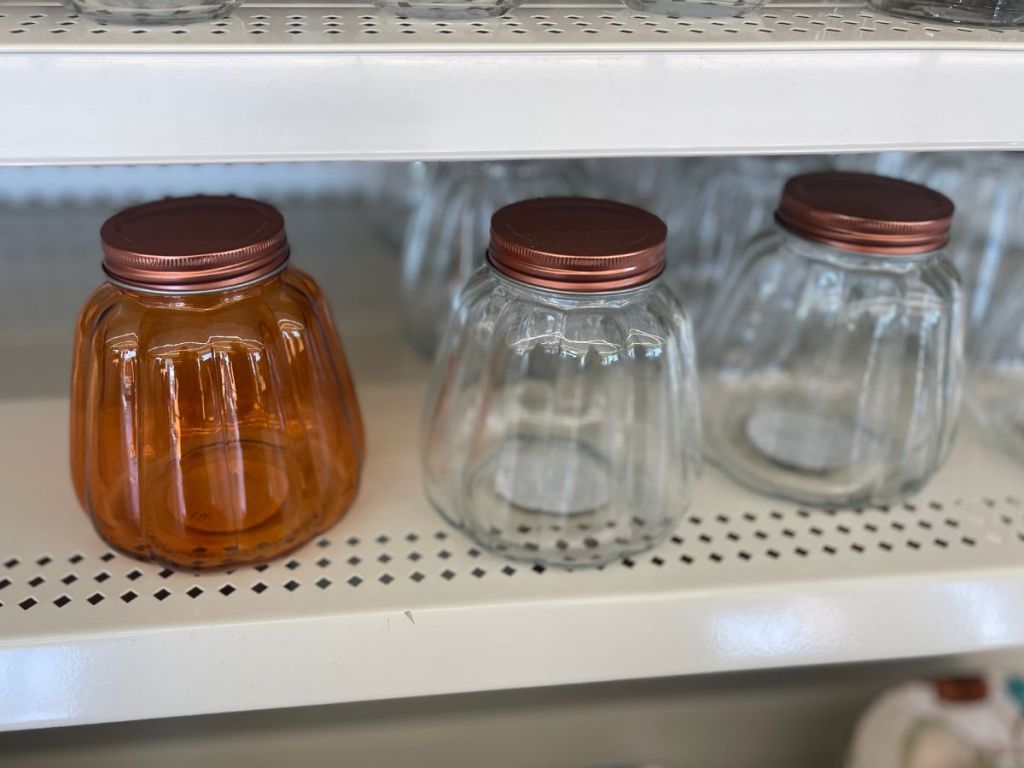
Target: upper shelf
(342, 81)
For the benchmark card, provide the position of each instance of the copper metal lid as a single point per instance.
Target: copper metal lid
(194, 244)
(866, 214)
(962, 689)
(577, 244)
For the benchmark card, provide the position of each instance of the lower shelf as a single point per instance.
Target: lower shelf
(394, 603)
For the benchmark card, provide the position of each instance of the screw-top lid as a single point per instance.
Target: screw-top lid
(866, 214)
(962, 689)
(191, 244)
(577, 244)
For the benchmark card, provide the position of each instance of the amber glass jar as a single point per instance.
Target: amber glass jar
(213, 418)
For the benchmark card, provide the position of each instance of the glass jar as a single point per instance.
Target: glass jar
(697, 9)
(397, 191)
(980, 13)
(153, 11)
(832, 369)
(734, 200)
(996, 380)
(447, 10)
(213, 419)
(987, 239)
(447, 237)
(562, 425)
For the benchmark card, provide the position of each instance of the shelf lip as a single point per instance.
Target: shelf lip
(193, 670)
(361, 90)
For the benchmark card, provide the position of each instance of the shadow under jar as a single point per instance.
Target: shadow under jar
(563, 425)
(213, 419)
(832, 371)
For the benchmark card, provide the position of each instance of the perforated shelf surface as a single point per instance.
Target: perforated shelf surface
(393, 602)
(549, 26)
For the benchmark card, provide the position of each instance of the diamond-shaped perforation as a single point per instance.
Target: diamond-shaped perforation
(799, 538)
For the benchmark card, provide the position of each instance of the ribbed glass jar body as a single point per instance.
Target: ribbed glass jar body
(563, 428)
(833, 378)
(987, 239)
(447, 237)
(996, 384)
(734, 200)
(212, 429)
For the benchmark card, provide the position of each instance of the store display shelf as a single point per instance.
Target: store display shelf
(305, 81)
(393, 602)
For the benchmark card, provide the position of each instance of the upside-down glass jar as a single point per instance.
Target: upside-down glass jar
(734, 200)
(562, 425)
(153, 11)
(213, 419)
(447, 236)
(697, 9)
(979, 13)
(832, 369)
(987, 239)
(447, 10)
(996, 378)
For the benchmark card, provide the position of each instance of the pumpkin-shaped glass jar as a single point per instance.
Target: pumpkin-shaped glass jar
(563, 425)
(213, 418)
(832, 372)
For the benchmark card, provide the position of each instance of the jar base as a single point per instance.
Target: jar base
(551, 502)
(782, 448)
(696, 9)
(954, 13)
(150, 12)
(561, 546)
(441, 11)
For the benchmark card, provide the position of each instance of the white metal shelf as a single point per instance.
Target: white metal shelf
(339, 80)
(393, 603)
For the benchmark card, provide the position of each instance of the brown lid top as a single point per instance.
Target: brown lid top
(962, 689)
(577, 244)
(864, 213)
(189, 244)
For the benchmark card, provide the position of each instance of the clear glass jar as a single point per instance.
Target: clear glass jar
(447, 10)
(397, 192)
(996, 379)
(987, 239)
(447, 237)
(562, 425)
(832, 369)
(153, 11)
(734, 200)
(213, 418)
(979, 13)
(697, 9)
